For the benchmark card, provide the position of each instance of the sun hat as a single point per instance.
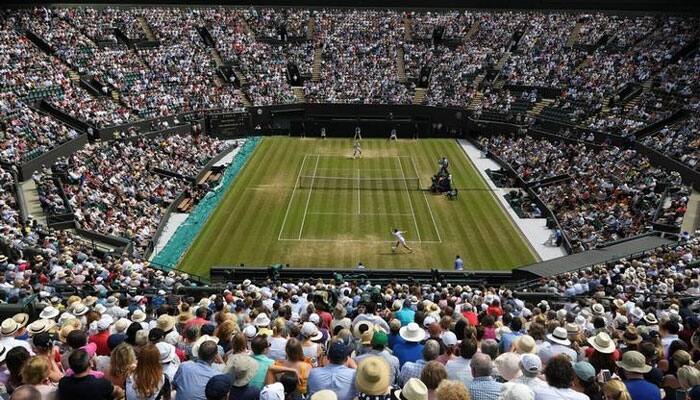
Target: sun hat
(310, 330)
(273, 391)
(262, 321)
(49, 312)
(121, 325)
(218, 386)
(111, 301)
(631, 336)
(602, 343)
(373, 376)
(357, 328)
(40, 325)
(138, 316)
(9, 327)
(530, 363)
(22, 319)
(584, 371)
(651, 319)
(559, 336)
(166, 352)
(681, 357)
(449, 338)
(508, 366)
(243, 369)
(525, 344)
(413, 389)
(598, 309)
(366, 337)
(633, 361)
(324, 395)
(412, 333)
(165, 322)
(250, 332)
(200, 340)
(572, 329)
(429, 320)
(69, 327)
(516, 391)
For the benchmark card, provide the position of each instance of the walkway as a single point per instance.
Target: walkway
(31, 200)
(533, 229)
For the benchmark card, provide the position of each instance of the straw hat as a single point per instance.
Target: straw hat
(634, 361)
(631, 336)
(650, 319)
(165, 322)
(324, 395)
(414, 389)
(9, 327)
(508, 366)
(40, 325)
(412, 333)
(243, 369)
(559, 336)
(525, 344)
(602, 343)
(309, 330)
(357, 331)
(202, 339)
(598, 309)
(138, 316)
(22, 319)
(80, 309)
(69, 327)
(49, 312)
(262, 320)
(373, 376)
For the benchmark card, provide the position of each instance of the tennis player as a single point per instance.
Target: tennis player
(400, 241)
(356, 150)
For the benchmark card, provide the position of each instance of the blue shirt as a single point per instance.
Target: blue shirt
(408, 351)
(459, 264)
(264, 363)
(191, 378)
(484, 388)
(507, 340)
(337, 378)
(411, 370)
(642, 390)
(405, 315)
(395, 339)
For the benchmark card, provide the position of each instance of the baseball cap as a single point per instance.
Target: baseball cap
(584, 371)
(218, 387)
(380, 338)
(531, 363)
(337, 351)
(449, 338)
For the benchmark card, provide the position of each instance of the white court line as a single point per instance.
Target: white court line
(363, 214)
(356, 240)
(359, 207)
(425, 197)
(308, 199)
(289, 205)
(410, 201)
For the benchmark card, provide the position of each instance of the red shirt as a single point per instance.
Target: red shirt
(471, 317)
(326, 318)
(100, 341)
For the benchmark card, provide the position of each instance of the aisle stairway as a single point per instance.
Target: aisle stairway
(316, 70)
(574, 35)
(539, 106)
(310, 28)
(146, 28)
(631, 104)
(407, 29)
(691, 220)
(419, 96)
(31, 199)
(299, 94)
(216, 57)
(503, 60)
(472, 30)
(475, 101)
(400, 65)
(74, 76)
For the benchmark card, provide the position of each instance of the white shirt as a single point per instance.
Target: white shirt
(460, 369)
(546, 392)
(10, 343)
(399, 236)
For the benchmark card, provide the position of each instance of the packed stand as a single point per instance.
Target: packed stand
(612, 193)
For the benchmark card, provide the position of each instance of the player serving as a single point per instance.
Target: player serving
(400, 241)
(356, 150)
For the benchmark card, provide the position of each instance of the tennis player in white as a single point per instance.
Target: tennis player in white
(356, 150)
(400, 241)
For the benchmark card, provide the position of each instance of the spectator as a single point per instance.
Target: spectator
(616, 390)
(335, 376)
(259, 346)
(218, 387)
(192, 376)
(560, 376)
(82, 384)
(460, 368)
(379, 344)
(411, 349)
(432, 375)
(36, 373)
(26, 392)
(242, 370)
(148, 381)
(372, 380)
(483, 386)
(452, 390)
(634, 367)
(410, 369)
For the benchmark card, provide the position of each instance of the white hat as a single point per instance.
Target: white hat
(309, 330)
(413, 332)
(138, 315)
(250, 331)
(559, 336)
(202, 339)
(166, 352)
(273, 391)
(414, 389)
(516, 391)
(262, 320)
(449, 338)
(602, 343)
(48, 312)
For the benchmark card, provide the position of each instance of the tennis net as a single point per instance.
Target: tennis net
(336, 182)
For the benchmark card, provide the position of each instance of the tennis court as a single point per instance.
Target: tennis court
(356, 194)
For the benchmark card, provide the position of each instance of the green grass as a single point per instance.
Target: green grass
(266, 218)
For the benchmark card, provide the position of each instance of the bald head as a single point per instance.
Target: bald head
(481, 365)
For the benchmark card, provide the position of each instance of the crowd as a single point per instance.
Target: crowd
(619, 333)
(128, 199)
(679, 141)
(609, 194)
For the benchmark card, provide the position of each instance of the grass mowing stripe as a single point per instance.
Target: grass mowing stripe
(249, 220)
